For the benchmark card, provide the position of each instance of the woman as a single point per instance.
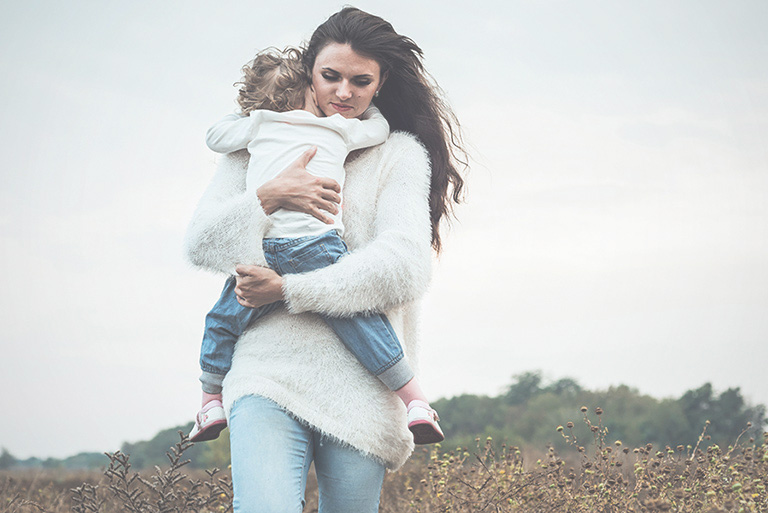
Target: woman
(295, 394)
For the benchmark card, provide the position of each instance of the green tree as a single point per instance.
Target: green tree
(152, 452)
(526, 385)
(565, 387)
(728, 413)
(215, 453)
(697, 404)
(7, 460)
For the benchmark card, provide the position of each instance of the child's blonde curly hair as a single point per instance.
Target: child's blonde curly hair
(275, 80)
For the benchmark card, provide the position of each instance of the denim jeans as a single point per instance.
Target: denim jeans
(271, 454)
(369, 337)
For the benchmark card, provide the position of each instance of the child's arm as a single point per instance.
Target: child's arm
(371, 130)
(233, 132)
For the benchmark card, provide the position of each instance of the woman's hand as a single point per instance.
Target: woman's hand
(257, 286)
(296, 189)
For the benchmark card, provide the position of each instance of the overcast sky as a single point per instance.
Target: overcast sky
(616, 229)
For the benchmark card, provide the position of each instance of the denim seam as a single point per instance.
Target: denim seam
(320, 248)
(303, 478)
(273, 243)
(213, 370)
(390, 364)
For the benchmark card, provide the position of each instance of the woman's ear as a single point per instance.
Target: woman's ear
(383, 79)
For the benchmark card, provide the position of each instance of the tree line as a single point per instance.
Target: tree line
(527, 414)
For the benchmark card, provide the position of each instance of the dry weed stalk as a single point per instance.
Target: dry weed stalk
(611, 478)
(165, 491)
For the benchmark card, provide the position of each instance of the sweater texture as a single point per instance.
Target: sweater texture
(291, 356)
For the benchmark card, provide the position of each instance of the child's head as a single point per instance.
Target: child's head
(274, 80)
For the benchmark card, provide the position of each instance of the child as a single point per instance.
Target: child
(282, 121)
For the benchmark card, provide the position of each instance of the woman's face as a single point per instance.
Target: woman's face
(344, 81)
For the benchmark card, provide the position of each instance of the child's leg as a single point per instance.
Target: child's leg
(207, 398)
(374, 347)
(411, 391)
(374, 343)
(224, 324)
(370, 338)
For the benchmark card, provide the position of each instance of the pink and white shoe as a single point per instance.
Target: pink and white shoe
(422, 421)
(209, 422)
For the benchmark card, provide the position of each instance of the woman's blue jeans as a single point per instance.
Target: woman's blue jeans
(370, 338)
(271, 454)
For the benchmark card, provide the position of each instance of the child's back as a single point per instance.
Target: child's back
(276, 139)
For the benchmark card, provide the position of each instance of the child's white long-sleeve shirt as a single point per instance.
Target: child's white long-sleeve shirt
(276, 139)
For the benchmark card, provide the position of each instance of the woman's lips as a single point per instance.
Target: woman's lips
(340, 107)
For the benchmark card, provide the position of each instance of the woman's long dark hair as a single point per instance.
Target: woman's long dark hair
(409, 99)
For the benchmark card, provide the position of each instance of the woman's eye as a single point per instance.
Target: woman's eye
(363, 83)
(329, 77)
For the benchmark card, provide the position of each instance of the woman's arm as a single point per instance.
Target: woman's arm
(394, 267)
(229, 223)
(296, 189)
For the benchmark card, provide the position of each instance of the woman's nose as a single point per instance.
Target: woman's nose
(344, 92)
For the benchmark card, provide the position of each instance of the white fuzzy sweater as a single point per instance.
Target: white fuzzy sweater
(291, 356)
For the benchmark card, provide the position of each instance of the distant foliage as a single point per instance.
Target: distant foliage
(147, 454)
(525, 413)
(523, 416)
(7, 460)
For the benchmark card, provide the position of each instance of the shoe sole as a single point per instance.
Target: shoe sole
(424, 433)
(211, 432)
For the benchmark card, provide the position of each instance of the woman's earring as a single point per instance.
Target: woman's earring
(376, 94)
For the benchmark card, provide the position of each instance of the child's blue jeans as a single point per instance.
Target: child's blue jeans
(369, 337)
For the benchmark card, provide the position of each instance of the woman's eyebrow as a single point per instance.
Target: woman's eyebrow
(362, 75)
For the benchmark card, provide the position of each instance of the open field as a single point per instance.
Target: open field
(601, 476)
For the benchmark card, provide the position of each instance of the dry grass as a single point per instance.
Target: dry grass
(599, 476)
(120, 489)
(605, 477)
